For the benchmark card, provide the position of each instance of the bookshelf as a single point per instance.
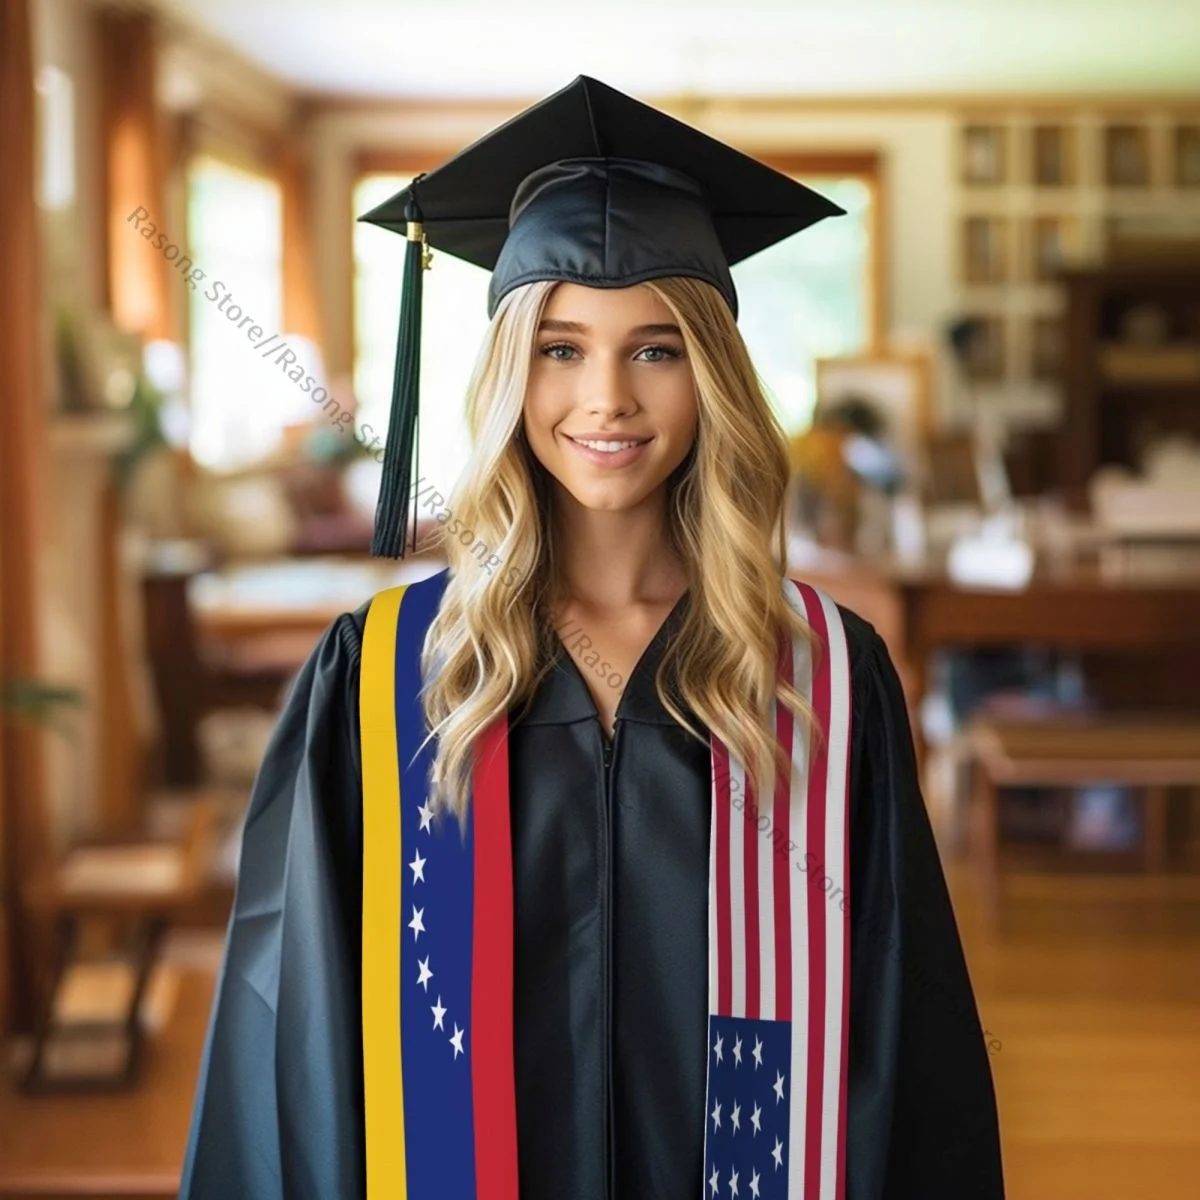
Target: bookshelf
(1045, 191)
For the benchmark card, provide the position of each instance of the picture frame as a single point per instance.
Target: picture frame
(1126, 155)
(1052, 245)
(984, 152)
(897, 384)
(953, 474)
(985, 249)
(1187, 155)
(1054, 156)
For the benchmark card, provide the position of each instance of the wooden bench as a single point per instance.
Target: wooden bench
(1147, 754)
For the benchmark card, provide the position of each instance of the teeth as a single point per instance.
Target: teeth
(607, 447)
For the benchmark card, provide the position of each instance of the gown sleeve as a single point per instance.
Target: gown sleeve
(278, 1109)
(922, 1115)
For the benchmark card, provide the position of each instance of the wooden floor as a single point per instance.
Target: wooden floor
(111, 1146)
(1095, 1007)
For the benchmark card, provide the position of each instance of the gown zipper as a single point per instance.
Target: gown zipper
(609, 1167)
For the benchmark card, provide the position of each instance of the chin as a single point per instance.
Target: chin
(612, 498)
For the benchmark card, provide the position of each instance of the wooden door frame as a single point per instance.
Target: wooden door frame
(868, 166)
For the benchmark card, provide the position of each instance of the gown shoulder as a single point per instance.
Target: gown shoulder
(283, 1052)
(918, 1050)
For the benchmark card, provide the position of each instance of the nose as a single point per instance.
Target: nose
(606, 391)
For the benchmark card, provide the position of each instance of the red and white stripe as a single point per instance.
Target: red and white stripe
(778, 935)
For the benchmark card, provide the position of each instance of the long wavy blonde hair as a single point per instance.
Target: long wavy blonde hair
(486, 650)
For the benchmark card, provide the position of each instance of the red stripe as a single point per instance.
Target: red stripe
(722, 815)
(816, 904)
(781, 856)
(750, 888)
(840, 1185)
(492, 1078)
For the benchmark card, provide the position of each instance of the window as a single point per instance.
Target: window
(240, 402)
(807, 297)
(56, 183)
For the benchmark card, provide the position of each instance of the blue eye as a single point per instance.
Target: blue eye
(566, 352)
(661, 353)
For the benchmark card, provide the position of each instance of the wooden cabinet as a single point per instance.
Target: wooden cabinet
(1131, 364)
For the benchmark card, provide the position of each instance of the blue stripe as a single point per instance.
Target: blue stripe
(438, 1110)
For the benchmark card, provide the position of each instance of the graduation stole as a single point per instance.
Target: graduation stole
(437, 963)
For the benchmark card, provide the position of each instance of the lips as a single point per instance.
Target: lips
(608, 445)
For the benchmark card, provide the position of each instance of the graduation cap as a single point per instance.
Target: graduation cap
(588, 186)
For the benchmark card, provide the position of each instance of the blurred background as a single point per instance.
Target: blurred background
(989, 371)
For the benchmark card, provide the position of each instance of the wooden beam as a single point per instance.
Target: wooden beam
(23, 839)
(136, 272)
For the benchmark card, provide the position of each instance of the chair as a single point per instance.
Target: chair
(1150, 755)
(89, 1032)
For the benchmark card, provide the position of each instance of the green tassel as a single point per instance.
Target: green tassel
(399, 455)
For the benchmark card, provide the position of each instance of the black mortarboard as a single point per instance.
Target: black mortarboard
(588, 186)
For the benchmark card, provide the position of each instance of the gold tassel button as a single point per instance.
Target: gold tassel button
(416, 233)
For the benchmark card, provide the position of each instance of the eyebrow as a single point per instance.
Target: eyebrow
(552, 326)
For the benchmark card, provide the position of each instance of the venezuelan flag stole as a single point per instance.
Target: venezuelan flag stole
(437, 970)
(437, 940)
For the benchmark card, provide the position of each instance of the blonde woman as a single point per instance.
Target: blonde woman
(595, 866)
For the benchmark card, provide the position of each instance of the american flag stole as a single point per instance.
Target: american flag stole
(779, 948)
(437, 942)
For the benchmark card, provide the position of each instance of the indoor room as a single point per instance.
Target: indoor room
(985, 371)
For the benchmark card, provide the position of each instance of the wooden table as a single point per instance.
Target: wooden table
(294, 595)
(232, 637)
(918, 609)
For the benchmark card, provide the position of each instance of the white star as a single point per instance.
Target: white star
(712, 1183)
(456, 1040)
(417, 925)
(756, 1119)
(438, 1013)
(733, 1184)
(717, 1048)
(426, 811)
(757, 1052)
(778, 1087)
(716, 1116)
(737, 1052)
(754, 1184)
(735, 1117)
(417, 866)
(426, 973)
(777, 1154)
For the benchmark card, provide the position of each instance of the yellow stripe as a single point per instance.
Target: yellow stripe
(383, 1083)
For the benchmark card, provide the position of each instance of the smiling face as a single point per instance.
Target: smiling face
(610, 408)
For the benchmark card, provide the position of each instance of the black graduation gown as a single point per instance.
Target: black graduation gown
(610, 1001)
